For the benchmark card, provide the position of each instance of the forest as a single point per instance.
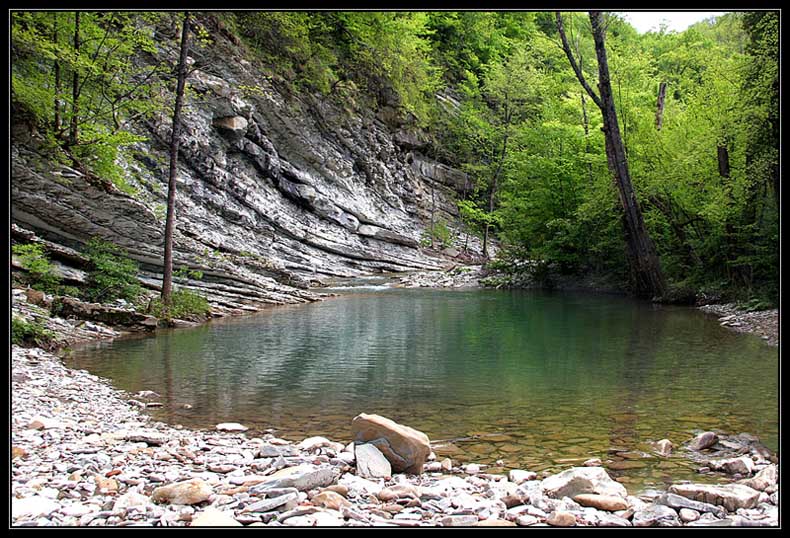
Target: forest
(697, 113)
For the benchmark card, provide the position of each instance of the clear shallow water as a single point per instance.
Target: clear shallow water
(538, 380)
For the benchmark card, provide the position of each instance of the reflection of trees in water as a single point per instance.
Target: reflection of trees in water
(647, 326)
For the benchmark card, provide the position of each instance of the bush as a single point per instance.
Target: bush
(440, 234)
(186, 304)
(114, 275)
(41, 273)
(29, 332)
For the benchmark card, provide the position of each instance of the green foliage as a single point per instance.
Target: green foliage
(186, 304)
(439, 234)
(41, 273)
(29, 333)
(113, 275)
(113, 90)
(184, 272)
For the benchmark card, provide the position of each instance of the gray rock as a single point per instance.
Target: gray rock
(34, 506)
(458, 521)
(653, 515)
(688, 515)
(268, 504)
(730, 496)
(302, 477)
(703, 441)
(764, 479)
(371, 463)
(742, 465)
(678, 501)
(518, 476)
(578, 480)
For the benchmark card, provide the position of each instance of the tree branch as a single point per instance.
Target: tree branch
(567, 48)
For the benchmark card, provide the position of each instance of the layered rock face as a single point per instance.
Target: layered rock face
(275, 191)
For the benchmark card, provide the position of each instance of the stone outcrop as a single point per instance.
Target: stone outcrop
(276, 190)
(405, 448)
(69, 307)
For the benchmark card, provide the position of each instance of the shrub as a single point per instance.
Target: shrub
(440, 234)
(41, 273)
(186, 304)
(113, 276)
(29, 332)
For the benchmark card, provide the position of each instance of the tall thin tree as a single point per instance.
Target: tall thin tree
(75, 86)
(643, 259)
(167, 277)
(58, 87)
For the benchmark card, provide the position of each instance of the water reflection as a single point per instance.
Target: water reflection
(534, 379)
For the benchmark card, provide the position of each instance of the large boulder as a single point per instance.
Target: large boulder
(579, 480)
(730, 496)
(405, 448)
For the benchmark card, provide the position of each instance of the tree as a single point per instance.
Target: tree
(645, 268)
(167, 277)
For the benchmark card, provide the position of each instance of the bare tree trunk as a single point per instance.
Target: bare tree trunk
(58, 123)
(586, 122)
(75, 85)
(433, 213)
(167, 278)
(494, 185)
(662, 94)
(643, 259)
(724, 160)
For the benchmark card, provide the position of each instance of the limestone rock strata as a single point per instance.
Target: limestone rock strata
(275, 191)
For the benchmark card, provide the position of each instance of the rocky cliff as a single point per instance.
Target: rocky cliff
(277, 190)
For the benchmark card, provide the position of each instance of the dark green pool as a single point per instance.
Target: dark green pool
(538, 380)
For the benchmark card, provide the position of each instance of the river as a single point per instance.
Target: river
(513, 379)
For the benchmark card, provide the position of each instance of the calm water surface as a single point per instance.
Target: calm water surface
(537, 380)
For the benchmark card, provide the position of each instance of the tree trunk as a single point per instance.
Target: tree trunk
(662, 94)
(433, 212)
(494, 185)
(724, 160)
(586, 123)
(645, 268)
(75, 85)
(167, 278)
(649, 280)
(58, 123)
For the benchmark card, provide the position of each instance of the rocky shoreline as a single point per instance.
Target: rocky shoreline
(763, 323)
(85, 455)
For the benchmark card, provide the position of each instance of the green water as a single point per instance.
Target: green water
(538, 380)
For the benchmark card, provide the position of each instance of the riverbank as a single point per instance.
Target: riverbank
(763, 323)
(84, 454)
